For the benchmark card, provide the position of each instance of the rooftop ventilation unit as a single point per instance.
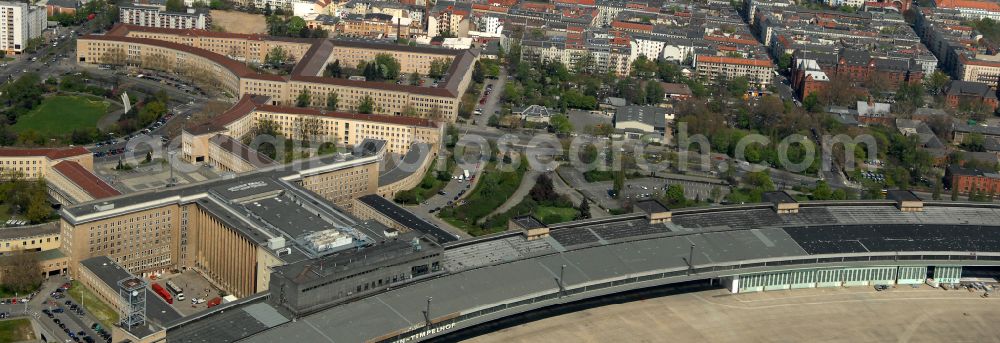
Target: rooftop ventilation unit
(104, 206)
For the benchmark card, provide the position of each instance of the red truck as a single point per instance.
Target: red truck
(214, 302)
(163, 293)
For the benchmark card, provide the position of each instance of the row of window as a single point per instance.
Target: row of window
(25, 242)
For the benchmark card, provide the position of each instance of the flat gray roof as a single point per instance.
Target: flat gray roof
(109, 272)
(490, 271)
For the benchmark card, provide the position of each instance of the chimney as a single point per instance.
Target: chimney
(530, 227)
(781, 202)
(655, 211)
(905, 200)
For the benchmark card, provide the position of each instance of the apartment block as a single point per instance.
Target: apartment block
(175, 51)
(158, 16)
(19, 23)
(758, 72)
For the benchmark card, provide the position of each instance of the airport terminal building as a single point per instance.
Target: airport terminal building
(780, 244)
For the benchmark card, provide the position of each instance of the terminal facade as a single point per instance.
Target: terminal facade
(219, 60)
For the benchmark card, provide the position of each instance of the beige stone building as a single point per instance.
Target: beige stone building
(342, 128)
(205, 60)
(712, 68)
(215, 226)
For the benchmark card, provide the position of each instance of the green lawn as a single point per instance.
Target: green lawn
(492, 190)
(58, 115)
(16, 330)
(91, 303)
(553, 215)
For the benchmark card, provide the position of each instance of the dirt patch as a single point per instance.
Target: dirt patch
(239, 22)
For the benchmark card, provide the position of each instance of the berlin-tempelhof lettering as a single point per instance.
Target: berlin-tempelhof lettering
(693, 152)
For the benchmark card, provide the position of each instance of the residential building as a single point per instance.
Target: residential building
(211, 60)
(341, 128)
(675, 91)
(965, 94)
(759, 72)
(971, 179)
(158, 16)
(54, 7)
(972, 9)
(20, 22)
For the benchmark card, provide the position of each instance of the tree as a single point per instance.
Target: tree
(304, 99)
(954, 192)
(785, 61)
(438, 67)
(332, 100)
(367, 105)
(811, 103)
(276, 57)
(760, 181)
(388, 65)
(936, 82)
(478, 76)
(560, 123)
(619, 182)
(334, 69)
(974, 142)
(822, 191)
(39, 210)
(715, 194)
(584, 209)
(654, 92)
(937, 190)
(543, 191)
(674, 195)
(151, 111)
(295, 26)
(738, 86)
(114, 56)
(175, 5)
(21, 272)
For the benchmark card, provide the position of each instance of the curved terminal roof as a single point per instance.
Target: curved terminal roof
(505, 274)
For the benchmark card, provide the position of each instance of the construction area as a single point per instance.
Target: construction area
(855, 314)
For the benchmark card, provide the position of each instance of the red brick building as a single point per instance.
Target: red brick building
(968, 179)
(960, 92)
(856, 66)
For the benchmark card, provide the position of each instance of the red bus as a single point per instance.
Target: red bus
(163, 293)
(214, 302)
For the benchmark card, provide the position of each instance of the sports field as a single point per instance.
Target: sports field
(239, 22)
(61, 114)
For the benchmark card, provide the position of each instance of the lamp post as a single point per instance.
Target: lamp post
(559, 281)
(691, 259)
(170, 164)
(427, 314)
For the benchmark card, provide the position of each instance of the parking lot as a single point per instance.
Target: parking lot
(195, 288)
(58, 313)
(641, 188)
